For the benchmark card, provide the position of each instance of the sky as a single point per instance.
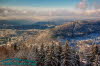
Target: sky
(44, 3)
(39, 3)
(51, 3)
(89, 7)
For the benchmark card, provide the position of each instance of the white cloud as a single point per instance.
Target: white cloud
(50, 11)
(83, 4)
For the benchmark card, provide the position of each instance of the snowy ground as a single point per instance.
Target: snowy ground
(95, 37)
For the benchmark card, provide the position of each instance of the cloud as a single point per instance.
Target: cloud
(89, 9)
(48, 12)
(95, 12)
(83, 4)
(96, 4)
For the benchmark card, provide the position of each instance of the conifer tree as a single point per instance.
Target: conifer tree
(66, 55)
(50, 57)
(41, 56)
(59, 54)
(96, 53)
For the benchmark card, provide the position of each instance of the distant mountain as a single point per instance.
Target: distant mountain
(45, 23)
(28, 22)
(77, 28)
(73, 30)
(25, 24)
(16, 22)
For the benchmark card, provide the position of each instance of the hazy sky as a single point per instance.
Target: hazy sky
(40, 3)
(45, 3)
(88, 7)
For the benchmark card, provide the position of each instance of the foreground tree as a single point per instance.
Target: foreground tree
(66, 55)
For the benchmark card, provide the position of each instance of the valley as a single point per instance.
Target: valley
(78, 36)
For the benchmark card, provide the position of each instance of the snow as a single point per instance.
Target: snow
(94, 36)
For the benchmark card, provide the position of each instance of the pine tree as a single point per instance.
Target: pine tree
(34, 53)
(50, 57)
(59, 54)
(95, 52)
(41, 56)
(66, 55)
